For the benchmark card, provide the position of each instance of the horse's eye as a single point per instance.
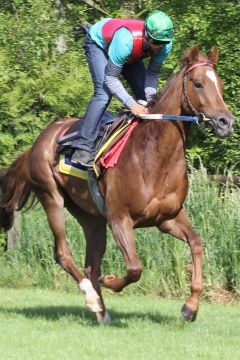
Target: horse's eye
(198, 85)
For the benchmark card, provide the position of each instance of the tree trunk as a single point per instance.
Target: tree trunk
(13, 235)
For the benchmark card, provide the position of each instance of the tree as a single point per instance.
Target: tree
(39, 83)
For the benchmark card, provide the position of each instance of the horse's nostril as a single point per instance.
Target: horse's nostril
(223, 122)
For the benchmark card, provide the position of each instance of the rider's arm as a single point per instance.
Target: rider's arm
(151, 80)
(112, 74)
(153, 70)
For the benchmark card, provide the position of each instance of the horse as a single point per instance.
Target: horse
(147, 187)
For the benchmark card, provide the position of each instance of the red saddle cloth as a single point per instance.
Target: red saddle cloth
(110, 159)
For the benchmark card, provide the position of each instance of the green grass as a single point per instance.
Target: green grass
(50, 325)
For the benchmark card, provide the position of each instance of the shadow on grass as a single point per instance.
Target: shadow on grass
(83, 316)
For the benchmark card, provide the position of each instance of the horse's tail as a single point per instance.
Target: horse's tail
(14, 191)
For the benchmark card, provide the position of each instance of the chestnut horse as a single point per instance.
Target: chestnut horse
(146, 188)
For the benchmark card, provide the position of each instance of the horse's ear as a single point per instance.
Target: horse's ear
(190, 56)
(194, 54)
(213, 56)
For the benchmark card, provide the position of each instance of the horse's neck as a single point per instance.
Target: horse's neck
(160, 143)
(170, 103)
(171, 98)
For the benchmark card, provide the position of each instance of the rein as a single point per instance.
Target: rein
(169, 117)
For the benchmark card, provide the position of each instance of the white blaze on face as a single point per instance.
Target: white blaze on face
(212, 76)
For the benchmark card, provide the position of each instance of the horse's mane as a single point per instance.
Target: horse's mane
(185, 62)
(156, 97)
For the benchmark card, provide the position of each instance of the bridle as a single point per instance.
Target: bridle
(198, 117)
(201, 116)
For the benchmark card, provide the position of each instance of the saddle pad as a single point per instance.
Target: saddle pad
(106, 157)
(67, 167)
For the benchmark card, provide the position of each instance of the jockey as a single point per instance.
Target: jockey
(115, 47)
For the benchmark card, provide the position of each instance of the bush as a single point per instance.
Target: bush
(40, 82)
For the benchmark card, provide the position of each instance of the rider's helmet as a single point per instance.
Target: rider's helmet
(159, 26)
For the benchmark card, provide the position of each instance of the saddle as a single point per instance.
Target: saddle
(109, 127)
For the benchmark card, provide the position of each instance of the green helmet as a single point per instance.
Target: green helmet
(159, 26)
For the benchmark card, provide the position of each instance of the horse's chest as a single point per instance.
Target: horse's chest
(165, 203)
(168, 205)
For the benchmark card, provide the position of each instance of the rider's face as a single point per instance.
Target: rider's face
(156, 46)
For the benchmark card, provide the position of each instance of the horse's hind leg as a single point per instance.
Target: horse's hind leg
(95, 234)
(123, 233)
(182, 229)
(53, 204)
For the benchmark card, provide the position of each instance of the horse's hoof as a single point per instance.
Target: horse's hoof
(103, 319)
(111, 282)
(105, 279)
(188, 314)
(101, 280)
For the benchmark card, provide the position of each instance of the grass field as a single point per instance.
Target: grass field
(43, 324)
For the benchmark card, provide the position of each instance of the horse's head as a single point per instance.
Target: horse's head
(202, 91)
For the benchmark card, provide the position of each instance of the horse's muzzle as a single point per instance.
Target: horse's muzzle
(222, 124)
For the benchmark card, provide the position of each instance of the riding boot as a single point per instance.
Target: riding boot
(83, 157)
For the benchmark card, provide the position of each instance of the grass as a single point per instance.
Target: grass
(45, 325)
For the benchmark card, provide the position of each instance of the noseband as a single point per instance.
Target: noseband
(201, 116)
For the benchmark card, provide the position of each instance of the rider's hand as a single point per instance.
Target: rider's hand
(138, 109)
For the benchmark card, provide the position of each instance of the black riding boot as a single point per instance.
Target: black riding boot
(83, 157)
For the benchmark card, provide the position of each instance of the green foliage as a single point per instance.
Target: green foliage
(40, 83)
(208, 24)
(37, 83)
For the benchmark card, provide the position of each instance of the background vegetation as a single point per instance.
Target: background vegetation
(44, 76)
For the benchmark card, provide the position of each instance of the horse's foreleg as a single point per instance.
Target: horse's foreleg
(123, 234)
(53, 205)
(181, 228)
